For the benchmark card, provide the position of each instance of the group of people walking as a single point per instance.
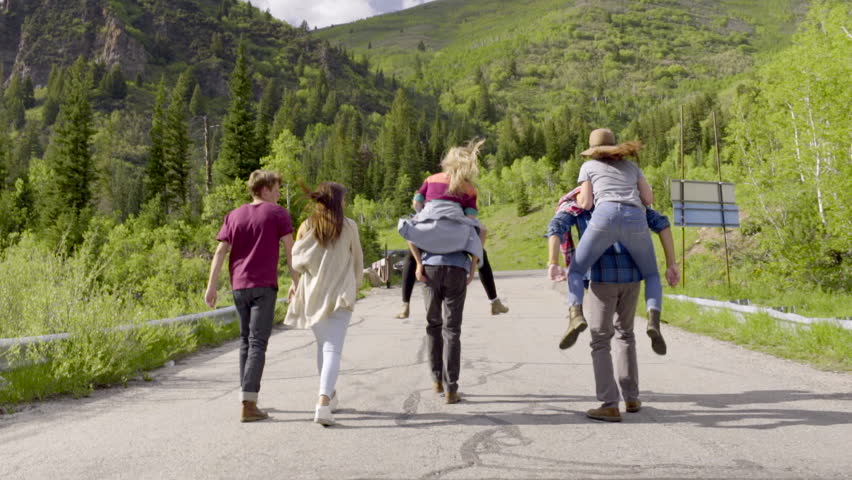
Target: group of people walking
(446, 240)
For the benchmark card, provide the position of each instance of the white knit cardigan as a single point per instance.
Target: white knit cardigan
(330, 276)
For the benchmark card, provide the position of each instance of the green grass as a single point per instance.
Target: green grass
(79, 365)
(824, 345)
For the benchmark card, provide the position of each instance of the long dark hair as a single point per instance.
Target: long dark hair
(326, 220)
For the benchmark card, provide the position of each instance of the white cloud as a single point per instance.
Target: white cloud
(413, 3)
(322, 13)
(318, 13)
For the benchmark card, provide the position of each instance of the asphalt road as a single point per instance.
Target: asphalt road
(711, 409)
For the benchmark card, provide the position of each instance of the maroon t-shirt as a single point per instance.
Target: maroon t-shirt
(254, 232)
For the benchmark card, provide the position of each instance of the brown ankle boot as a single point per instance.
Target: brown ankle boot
(497, 307)
(658, 345)
(251, 413)
(403, 313)
(576, 325)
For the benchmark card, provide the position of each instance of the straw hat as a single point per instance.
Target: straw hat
(602, 144)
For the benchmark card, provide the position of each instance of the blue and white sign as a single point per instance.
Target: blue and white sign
(704, 204)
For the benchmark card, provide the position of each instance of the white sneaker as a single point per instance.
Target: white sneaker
(334, 402)
(323, 415)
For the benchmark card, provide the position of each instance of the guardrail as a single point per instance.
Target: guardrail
(789, 317)
(220, 315)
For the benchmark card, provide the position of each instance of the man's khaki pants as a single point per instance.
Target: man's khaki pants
(609, 309)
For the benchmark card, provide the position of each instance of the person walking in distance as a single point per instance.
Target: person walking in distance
(328, 257)
(251, 237)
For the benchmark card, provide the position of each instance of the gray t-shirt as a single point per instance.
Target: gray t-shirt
(615, 181)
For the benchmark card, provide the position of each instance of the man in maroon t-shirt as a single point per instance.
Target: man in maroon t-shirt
(252, 234)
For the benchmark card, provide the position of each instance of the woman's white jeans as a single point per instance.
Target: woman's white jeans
(330, 334)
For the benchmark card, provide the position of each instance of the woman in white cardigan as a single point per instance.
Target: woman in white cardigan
(328, 257)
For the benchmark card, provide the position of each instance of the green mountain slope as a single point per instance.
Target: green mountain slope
(610, 55)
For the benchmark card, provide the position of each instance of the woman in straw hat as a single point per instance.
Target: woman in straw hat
(619, 193)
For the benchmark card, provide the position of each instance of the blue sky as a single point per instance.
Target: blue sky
(322, 13)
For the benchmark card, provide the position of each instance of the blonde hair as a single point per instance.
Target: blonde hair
(461, 165)
(260, 179)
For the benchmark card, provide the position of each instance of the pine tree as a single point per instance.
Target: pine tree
(288, 117)
(156, 171)
(28, 94)
(55, 85)
(5, 155)
(484, 108)
(197, 108)
(507, 144)
(523, 201)
(238, 153)
(13, 101)
(329, 108)
(114, 84)
(437, 145)
(268, 106)
(176, 145)
(70, 199)
(398, 144)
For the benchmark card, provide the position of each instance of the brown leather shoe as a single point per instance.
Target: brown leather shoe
(658, 345)
(439, 387)
(497, 307)
(403, 313)
(452, 397)
(576, 325)
(633, 406)
(251, 413)
(607, 414)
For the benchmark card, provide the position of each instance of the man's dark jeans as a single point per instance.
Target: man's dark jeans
(256, 308)
(447, 286)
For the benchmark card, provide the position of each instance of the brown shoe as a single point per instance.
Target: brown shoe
(251, 413)
(607, 414)
(633, 406)
(576, 325)
(452, 397)
(497, 307)
(403, 313)
(439, 387)
(658, 345)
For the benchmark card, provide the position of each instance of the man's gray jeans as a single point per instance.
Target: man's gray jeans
(447, 286)
(256, 309)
